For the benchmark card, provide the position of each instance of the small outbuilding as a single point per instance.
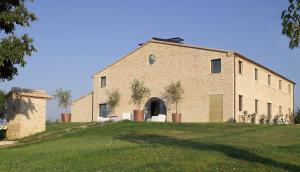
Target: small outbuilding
(26, 112)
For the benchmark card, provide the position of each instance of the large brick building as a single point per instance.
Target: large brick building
(219, 85)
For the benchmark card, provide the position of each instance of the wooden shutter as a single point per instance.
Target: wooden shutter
(216, 108)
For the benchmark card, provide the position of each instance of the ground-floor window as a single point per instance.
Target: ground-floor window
(256, 106)
(269, 109)
(103, 112)
(240, 103)
(280, 110)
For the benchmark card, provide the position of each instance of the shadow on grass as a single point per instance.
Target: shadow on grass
(228, 150)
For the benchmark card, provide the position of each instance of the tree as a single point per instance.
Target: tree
(13, 49)
(138, 92)
(2, 104)
(291, 23)
(297, 116)
(113, 99)
(174, 93)
(64, 98)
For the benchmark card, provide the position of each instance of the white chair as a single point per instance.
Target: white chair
(154, 119)
(126, 116)
(158, 118)
(162, 117)
(101, 119)
(114, 118)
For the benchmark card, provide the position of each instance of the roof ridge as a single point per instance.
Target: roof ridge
(197, 47)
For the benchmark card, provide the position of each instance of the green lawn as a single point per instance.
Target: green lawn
(130, 146)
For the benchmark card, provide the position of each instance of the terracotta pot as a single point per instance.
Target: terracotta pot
(138, 115)
(176, 117)
(65, 117)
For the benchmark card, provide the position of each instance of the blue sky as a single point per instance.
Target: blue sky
(76, 38)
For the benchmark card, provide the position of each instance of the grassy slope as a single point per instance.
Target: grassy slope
(129, 146)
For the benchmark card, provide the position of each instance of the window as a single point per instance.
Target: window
(256, 74)
(280, 85)
(151, 59)
(289, 88)
(240, 103)
(103, 81)
(240, 67)
(269, 79)
(280, 110)
(256, 106)
(216, 66)
(103, 110)
(269, 112)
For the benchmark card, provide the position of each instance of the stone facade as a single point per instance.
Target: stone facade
(26, 112)
(251, 89)
(192, 66)
(82, 109)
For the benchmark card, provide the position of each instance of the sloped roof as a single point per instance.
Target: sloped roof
(24, 92)
(197, 47)
(82, 97)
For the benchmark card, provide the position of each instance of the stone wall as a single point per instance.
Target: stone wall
(260, 90)
(191, 66)
(26, 115)
(82, 109)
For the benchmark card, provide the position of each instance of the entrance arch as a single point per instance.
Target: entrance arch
(155, 106)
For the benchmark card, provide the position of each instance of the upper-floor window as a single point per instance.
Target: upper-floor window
(256, 74)
(289, 88)
(151, 59)
(240, 67)
(240, 103)
(216, 66)
(103, 81)
(280, 84)
(269, 80)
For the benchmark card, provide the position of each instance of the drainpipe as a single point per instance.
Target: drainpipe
(234, 82)
(294, 98)
(93, 106)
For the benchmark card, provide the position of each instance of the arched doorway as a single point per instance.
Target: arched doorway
(154, 106)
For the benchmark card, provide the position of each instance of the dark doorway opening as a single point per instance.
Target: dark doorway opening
(154, 107)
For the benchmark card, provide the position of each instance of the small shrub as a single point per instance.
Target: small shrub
(275, 119)
(2, 134)
(296, 116)
(267, 119)
(2, 104)
(138, 93)
(252, 118)
(113, 99)
(64, 98)
(174, 94)
(261, 119)
(297, 119)
(248, 118)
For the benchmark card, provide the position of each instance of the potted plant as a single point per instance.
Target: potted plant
(64, 101)
(113, 99)
(174, 95)
(138, 93)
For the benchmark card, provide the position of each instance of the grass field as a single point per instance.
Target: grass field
(130, 146)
